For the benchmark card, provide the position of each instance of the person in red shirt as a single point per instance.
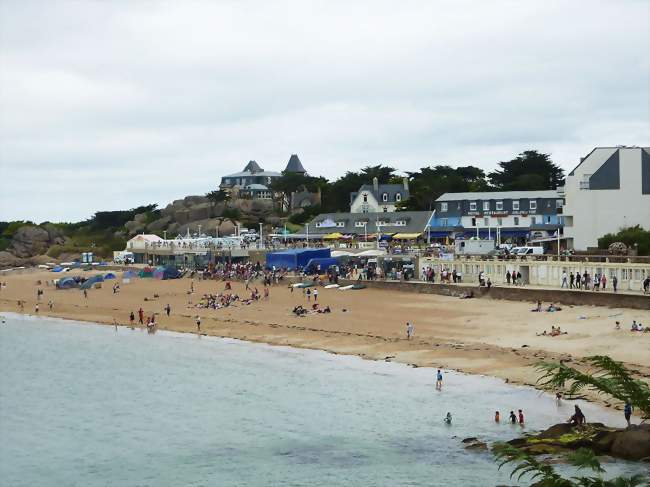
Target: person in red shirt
(521, 417)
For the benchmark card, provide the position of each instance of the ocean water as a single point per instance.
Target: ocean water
(85, 405)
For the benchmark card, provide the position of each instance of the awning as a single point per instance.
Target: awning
(333, 236)
(433, 234)
(406, 236)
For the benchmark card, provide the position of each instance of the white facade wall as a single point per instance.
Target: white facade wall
(590, 214)
(506, 221)
(371, 206)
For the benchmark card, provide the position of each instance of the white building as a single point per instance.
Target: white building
(607, 191)
(378, 198)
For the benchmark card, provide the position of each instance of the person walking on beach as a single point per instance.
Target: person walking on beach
(131, 318)
(308, 293)
(198, 324)
(50, 304)
(439, 380)
(168, 309)
(315, 295)
(627, 410)
(141, 316)
(521, 418)
(513, 418)
(409, 330)
(36, 308)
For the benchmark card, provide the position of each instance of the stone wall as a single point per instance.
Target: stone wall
(565, 297)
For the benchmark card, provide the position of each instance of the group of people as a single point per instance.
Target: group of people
(555, 331)
(550, 309)
(429, 275)
(586, 282)
(513, 277)
(315, 308)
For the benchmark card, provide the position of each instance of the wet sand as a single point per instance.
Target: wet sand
(478, 336)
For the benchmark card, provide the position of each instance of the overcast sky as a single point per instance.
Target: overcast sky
(111, 104)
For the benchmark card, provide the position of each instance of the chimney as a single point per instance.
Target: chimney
(375, 184)
(406, 183)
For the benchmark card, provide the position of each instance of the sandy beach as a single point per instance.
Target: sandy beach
(478, 336)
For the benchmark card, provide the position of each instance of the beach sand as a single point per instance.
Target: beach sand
(478, 336)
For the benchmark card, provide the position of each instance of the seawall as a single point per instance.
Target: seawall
(565, 297)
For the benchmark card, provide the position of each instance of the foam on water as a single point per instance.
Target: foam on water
(85, 405)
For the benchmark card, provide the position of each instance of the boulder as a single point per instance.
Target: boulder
(29, 241)
(40, 259)
(159, 225)
(9, 260)
(632, 443)
(199, 212)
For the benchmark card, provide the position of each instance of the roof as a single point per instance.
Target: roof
(391, 189)
(414, 222)
(596, 149)
(253, 167)
(147, 237)
(499, 195)
(294, 165)
(244, 174)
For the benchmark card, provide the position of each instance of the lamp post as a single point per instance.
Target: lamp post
(261, 239)
(164, 234)
(307, 227)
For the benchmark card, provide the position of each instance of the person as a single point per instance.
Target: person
(578, 418)
(558, 398)
(508, 277)
(497, 417)
(198, 324)
(646, 284)
(86, 293)
(266, 293)
(131, 318)
(168, 309)
(627, 410)
(521, 417)
(578, 283)
(115, 324)
(141, 316)
(634, 326)
(572, 279)
(603, 281)
(439, 380)
(448, 418)
(308, 294)
(489, 283)
(615, 283)
(409, 330)
(618, 325)
(315, 293)
(564, 280)
(50, 304)
(513, 418)
(36, 308)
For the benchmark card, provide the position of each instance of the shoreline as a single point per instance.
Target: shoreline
(486, 337)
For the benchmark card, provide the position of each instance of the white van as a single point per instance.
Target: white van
(530, 251)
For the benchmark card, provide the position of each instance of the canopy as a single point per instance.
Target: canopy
(294, 258)
(333, 236)
(168, 272)
(406, 236)
(341, 253)
(321, 263)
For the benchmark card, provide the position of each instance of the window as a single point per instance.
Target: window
(384, 197)
(319, 224)
(472, 206)
(486, 221)
(360, 224)
(533, 220)
(458, 206)
(443, 206)
(486, 206)
(443, 222)
(559, 204)
(340, 224)
(500, 222)
(515, 205)
(516, 221)
(398, 196)
(400, 223)
(385, 209)
(365, 197)
(548, 219)
(473, 222)
(499, 205)
(533, 205)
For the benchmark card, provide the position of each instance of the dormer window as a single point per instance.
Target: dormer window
(384, 197)
(398, 196)
(365, 197)
(443, 207)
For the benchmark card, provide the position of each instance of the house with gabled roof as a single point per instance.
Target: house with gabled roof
(375, 197)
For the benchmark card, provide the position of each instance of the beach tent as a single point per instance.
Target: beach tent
(171, 272)
(57, 268)
(159, 273)
(110, 275)
(88, 283)
(324, 263)
(129, 275)
(147, 272)
(67, 283)
(295, 258)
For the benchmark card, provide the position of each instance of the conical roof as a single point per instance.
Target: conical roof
(253, 167)
(294, 165)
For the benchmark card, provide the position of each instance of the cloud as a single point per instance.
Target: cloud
(108, 105)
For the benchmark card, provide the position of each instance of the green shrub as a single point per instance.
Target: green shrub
(630, 236)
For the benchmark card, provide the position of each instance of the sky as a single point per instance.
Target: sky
(110, 105)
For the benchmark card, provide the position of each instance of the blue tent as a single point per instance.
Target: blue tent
(324, 263)
(57, 268)
(129, 275)
(89, 283)
(110, 275)
(295, 258)
(67, 283)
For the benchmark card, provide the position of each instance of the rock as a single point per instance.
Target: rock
(474, 444)
(40, 259)
(29, 241)
(9, 260)
(159, 225)
(632, 443)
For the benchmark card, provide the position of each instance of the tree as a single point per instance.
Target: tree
(291, 182)
(529, 171)
(631, 236)
(609, 378)
(217, 196)
(336, 195)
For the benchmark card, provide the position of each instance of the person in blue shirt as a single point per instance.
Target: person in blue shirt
(439, 380)
(628, 412)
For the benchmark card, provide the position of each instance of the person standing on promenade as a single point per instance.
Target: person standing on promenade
(572, 279)
(615, 283)
(508, 277)
(578, 283)
(603, 281)
(565, 282)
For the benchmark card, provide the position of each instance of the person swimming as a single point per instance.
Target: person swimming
(448, 418)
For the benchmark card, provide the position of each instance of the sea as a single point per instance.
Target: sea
(87, 405)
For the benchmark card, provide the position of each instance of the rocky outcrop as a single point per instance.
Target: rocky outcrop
(29, 241)
(8, 260)
(631, 443)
